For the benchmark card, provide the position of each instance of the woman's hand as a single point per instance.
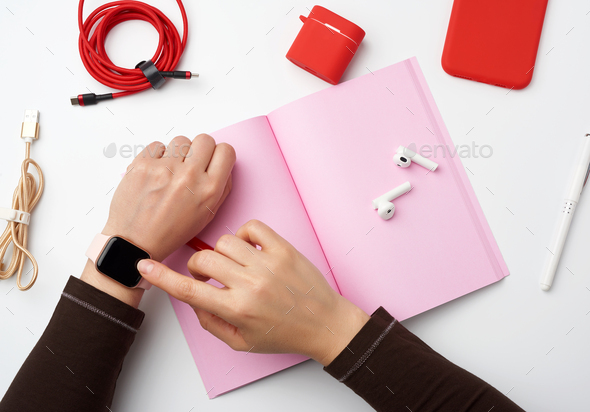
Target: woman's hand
(167, 196)
(274, 300)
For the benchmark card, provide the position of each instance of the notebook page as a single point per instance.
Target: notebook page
(263, 190)
(339, 144)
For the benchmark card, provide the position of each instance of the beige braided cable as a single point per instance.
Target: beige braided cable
(25, 197)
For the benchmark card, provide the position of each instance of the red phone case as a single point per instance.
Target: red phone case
(494, 41)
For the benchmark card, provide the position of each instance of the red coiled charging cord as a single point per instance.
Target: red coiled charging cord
(94, 56)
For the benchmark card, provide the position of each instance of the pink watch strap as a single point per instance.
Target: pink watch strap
(96, 246)
(144, 284)
(95, 249)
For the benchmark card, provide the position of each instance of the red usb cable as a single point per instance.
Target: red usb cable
(130, 81)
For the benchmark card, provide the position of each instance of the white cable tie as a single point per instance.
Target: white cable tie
(12, 215)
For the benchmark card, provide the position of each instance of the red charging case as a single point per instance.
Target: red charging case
(325, 44)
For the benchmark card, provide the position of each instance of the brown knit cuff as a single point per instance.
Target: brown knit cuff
(103, 304)
(362, 345)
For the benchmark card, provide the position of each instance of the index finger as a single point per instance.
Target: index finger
(222, 162)
(188, 290)
(257, 233)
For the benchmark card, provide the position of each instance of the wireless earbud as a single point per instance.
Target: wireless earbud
(385, 208)
(404, 158)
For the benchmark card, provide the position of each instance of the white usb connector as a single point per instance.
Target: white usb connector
(30, 128)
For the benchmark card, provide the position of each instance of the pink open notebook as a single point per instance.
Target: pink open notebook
(310, 170)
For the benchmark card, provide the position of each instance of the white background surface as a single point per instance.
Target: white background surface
(527, 343)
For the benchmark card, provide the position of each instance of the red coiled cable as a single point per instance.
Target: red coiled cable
(99, 65)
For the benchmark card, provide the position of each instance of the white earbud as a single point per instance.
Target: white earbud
(385, 208)
(404, 158)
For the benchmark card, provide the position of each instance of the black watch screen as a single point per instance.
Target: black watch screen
(118, 261)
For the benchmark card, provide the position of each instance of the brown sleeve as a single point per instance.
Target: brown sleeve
(75, 364)
(393, 370)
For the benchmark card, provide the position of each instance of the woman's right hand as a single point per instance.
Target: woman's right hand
(274, 300)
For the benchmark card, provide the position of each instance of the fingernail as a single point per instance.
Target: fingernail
(145, 267)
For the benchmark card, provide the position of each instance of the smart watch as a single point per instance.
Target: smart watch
(117, 258)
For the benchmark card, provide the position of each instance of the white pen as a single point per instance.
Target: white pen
(579, 178)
